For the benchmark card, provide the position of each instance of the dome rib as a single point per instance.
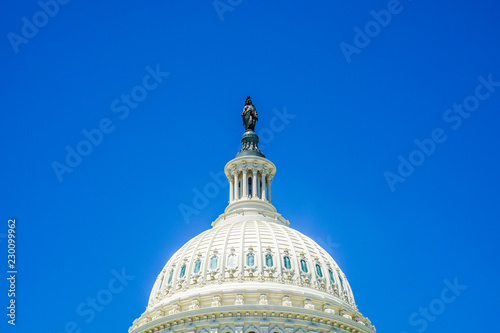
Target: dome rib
(208, 254)
(242, 249)
(224, 254)
(259, 261)
(292, 249)
(307, 253)
(194, 254)
(176, 262)
(276, 246)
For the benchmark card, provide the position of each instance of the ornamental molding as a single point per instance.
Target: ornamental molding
(224, 319)
(270, 216)
(286, 301)
(239, 300)
(308, 304)
(195, 304)
(217, 301)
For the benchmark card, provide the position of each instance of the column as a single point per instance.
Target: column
(269, 181)
(231, 189)
(263, 187)
(254, 184)
(245, 184)
(236, 188)
(258, 186)
(240, 192)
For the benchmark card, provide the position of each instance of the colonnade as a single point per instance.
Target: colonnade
(250, 184)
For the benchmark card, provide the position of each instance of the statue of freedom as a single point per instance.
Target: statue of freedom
(249, 115)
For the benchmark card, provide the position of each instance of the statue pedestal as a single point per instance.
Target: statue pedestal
(250, 144)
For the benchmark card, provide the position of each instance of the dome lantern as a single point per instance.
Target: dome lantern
(250, 174)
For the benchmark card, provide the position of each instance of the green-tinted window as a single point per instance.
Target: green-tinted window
(269, 260)
(331, 276)
(286, 261)
(213, 262)
(303, 265)
(170, 276)
(318, 270)
(183, 271)
(341, 283)
(197, 266)
(250, 259)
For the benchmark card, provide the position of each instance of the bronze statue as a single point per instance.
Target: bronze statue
(249, 115)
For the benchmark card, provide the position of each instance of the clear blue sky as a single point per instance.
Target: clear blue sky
(355, 103)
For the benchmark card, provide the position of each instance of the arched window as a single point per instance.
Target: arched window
(331, 276)
(183, 271)
(286, 262)
(269, 260)
(303, 265)
(250, 259)
(231, 260)
(341, 283)
(318, 270)
(170, 276)
(250, 182)
(213, 262)
(197, 266)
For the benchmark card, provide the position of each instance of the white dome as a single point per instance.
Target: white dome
(221, 258)
(249, 263)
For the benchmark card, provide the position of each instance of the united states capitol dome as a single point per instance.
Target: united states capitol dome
(251, 272)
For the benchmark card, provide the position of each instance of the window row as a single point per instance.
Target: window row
(231, 262)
